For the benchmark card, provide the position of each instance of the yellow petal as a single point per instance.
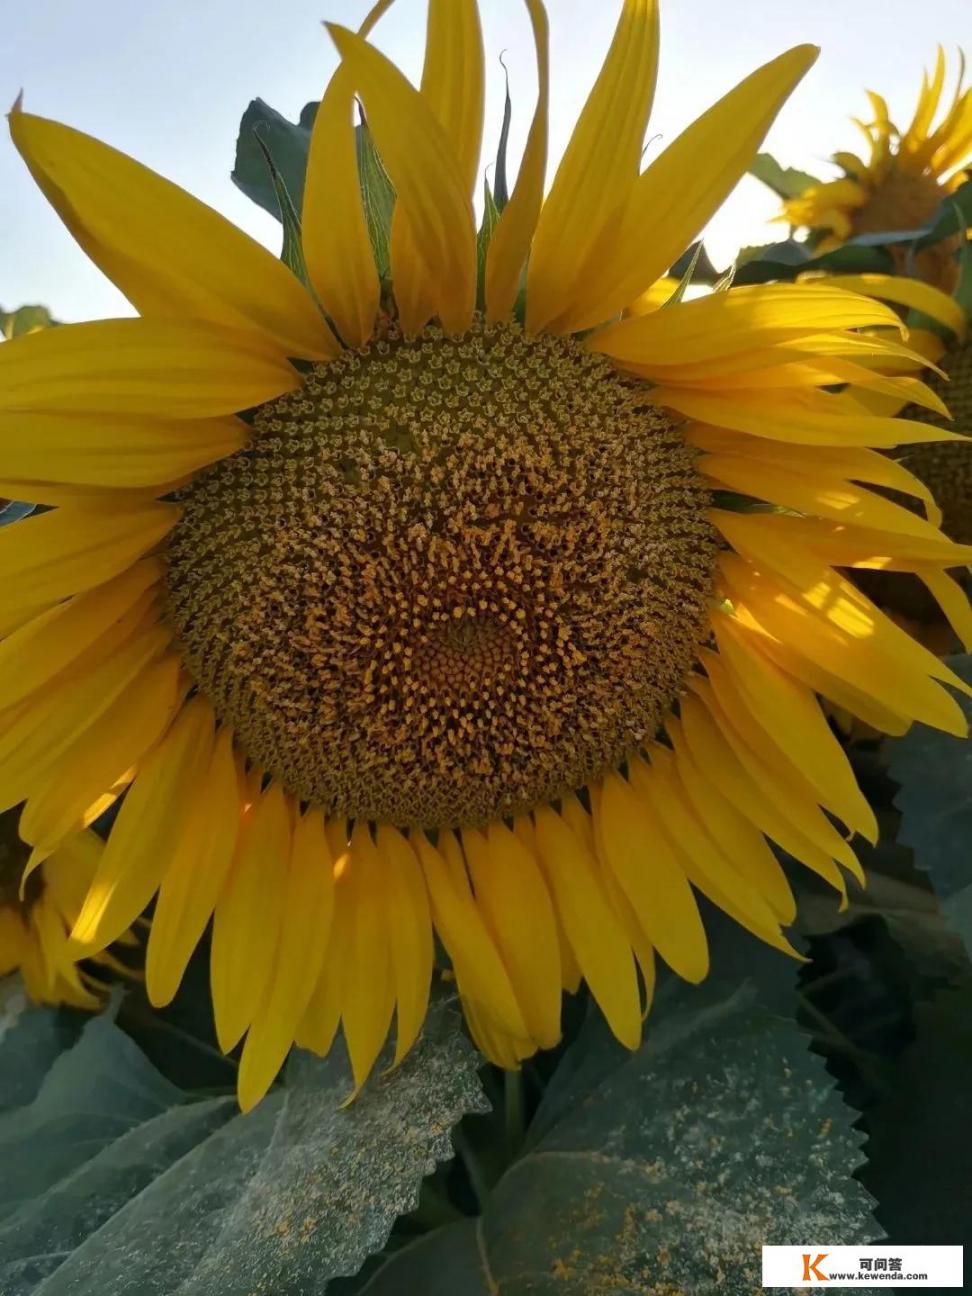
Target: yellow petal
(109, 450)
(69, 871)
(37, 732)
(479, 968)
(39, 651)
(323, 1013)
(678, 194)
(953, 601)
(367, 987)
(194, 878)
(651, 878)
(820, 494)
(452, 87)
(513, 234)
(905, 292)
(599, 166)
(422, 165)
(737, 321)
(166, 369)
(782, 781)
(705, 863)
(827, 464)
(804, 416)
(516, 907)
(756, 534)
(144, 836)
(48, 556)
(740, 839)
(248, 915)
(719, 763)
(858, 702)
(171, 255)
(337, 247)
(594, 931)
(409, 934)
(117, 741)
(308, 907)
(792, 718)
(841, 605)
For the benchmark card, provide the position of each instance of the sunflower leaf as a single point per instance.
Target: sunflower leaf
(783, 262)
(287, 143)
(922, 1121)
(639, 1174)
(120, 1185)
(786, 182)
(954, 215)
(934, 771)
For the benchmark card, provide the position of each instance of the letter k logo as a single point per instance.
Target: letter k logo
(810, 1270)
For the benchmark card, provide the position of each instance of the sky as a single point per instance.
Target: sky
(167, 82)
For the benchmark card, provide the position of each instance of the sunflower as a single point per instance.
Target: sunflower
(37, 912)
(928, 604)
(902, 182)
(396, 613)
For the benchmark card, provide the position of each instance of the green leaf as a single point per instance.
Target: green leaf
(120, 1187)
(786, 182)
(935, 800)
(378, 196)
(25, 319)
(954, 216)
(28, 1048)
(663, 1170)
(920, 1144)
(781, 263)
(286, 141)
(92, 1095)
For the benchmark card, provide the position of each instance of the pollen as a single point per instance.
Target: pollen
(448, 579)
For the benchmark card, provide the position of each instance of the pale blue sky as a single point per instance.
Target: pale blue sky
(167, 81)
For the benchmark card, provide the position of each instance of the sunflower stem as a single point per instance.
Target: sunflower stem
(474, 1168)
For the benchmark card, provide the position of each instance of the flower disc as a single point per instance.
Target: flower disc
(449, 579)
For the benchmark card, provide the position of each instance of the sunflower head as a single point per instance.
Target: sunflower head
(504, 624)
(901, 182)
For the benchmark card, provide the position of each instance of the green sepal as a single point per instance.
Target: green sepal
(696, 256)
(786, 182)
(25, 319)
(501, 192)
(378, 196)
(490, 217)
(292, 252)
